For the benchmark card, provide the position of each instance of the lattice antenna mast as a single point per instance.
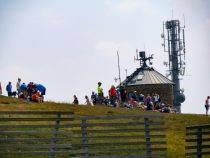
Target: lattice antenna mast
(174, 44)
(141, 56)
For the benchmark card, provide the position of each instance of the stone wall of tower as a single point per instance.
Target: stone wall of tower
(165, 91)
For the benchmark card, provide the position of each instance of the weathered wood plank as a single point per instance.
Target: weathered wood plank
(34, 146)
(195, 140)
(80, 125)
(196, 133)
(26, 140)
(127, 150)
(199, 126)
(118, 117)
(37, 112)
(32, 132)
(119, 143)
(36, 126)
(195, 147)
(41, 153)
(197, 153)
(79, 138)
(36, 119)
(119, 130)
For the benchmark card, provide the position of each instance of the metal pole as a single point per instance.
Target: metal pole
(119, 66)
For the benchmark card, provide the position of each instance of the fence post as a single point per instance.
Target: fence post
(56, 129)
(147, 137)
(84, 137)
(199, 143)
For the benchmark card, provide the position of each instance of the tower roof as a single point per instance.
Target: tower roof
(144, 76)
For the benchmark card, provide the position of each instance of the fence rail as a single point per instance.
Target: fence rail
(198, 141)
(54, 133)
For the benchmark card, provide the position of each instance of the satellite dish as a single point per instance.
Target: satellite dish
(162, 35)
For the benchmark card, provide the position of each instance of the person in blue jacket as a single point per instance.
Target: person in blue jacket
(41, 88)
(9, 89)
(23, 87)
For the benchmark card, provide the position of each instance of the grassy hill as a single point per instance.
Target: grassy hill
(175, 123)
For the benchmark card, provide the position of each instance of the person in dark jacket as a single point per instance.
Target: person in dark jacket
(9, 89)
(75, 100)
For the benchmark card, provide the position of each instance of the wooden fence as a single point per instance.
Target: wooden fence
(198, 140)
(88, 137)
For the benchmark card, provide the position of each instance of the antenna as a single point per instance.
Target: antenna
(184, 20)
(141, 56)
(175, 44)
(118, 59)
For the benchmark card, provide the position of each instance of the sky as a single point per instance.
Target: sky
(70, 45)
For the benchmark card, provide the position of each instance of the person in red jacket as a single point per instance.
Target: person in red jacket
(112, 94)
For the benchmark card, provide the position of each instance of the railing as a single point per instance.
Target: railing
(121, 136)
(24, 132)
(198, 140)
(88, 137)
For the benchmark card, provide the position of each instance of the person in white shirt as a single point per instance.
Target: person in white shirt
(18, 85)
(87, 101)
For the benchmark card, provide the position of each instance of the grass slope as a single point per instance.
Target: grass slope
(175, 123)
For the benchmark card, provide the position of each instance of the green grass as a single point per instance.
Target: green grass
(175, 123)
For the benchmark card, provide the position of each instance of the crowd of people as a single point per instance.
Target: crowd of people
(118, 97)
(31, 92)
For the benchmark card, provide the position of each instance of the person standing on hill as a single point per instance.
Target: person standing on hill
(18, 86)
(100, 92)
(0, 89)
(207, 104)
(9, 89)
(113, 95)
(93, 98)
(87, 101)
(123, 94)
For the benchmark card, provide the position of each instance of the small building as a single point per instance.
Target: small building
(146, 80)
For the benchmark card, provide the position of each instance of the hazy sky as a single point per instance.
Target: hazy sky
(70, 45)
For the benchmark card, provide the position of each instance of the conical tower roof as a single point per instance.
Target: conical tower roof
(145, 76)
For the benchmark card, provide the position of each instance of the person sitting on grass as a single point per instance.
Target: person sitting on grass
(87, 101)
(132, 103)
(36, 97)
(75, 100)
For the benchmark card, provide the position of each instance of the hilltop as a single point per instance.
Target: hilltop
(175, 123)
